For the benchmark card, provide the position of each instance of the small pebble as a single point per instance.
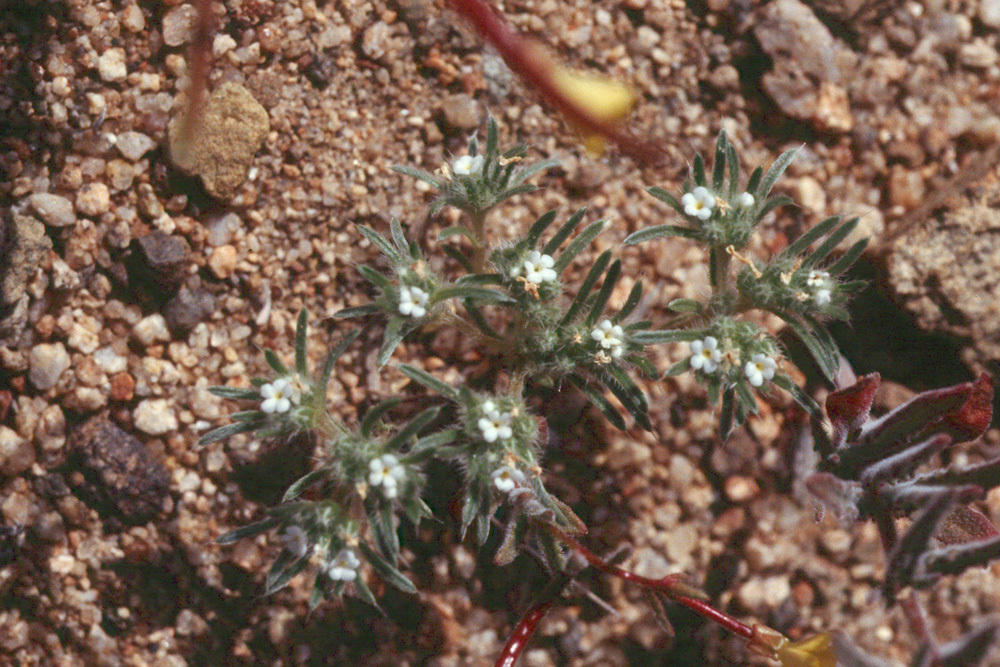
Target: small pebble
(154, 417)
(121, 174)
(222, 261)
(151, 329)
(111, 65)
(989, 13)
(133, 145)
(16, 453)
(47, 362)
(461, 112)
(187, 309)
(178, 25)
(741, 489)
(93, 199)
(122, 387)
(54, 210)
(133, 19)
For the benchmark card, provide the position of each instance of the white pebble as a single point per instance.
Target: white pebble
(47, 364)
(154, 417)
(111, 65)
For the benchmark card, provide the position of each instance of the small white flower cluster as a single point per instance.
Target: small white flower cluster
(494, 425)
(705, 354)
(699, 203)
(745, 200)
(611, 338)
(280, 396)
(507, 478)
(344, 566)
(386, 471)
(760, 368)
(412, 301)
(467, 165)
(820, 285)
(537, 268)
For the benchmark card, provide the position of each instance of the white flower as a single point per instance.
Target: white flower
(698, 203)
(412, 301)
(705, 354)
(611, 337)
(745, 200)
(279, 396)
(494, 424)
(386, 471)
(538, 268)
(467, 165)
(295, 540)
(819, 282)
(507, 478)
(344, 566)
(760, 368)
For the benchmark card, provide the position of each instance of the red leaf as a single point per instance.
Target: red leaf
(965, 524)
(973, 417)
(848, 408)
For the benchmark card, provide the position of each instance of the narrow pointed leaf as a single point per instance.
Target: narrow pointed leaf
(412, 428)
(456, 230)
(386, 571)
(399, 237)
(532, 169)
(831, 243)
(848, 259)
(382, 244)
(586, 286)
(252, 530)
(734, 169)
(275, 363)
(719, 165)
(374, 415)
(229, 430)
(666, 198)
(685, 306)
(480, 294)
(798, 394)
(659, 232)
(610, 281)
(775, 172)
(630, 303)
(429, 444)
(375, 278)
(956, 559)
(457, 255)
(699, 171)
(303, 483)
(810, 236)
(599, 402)
(236, 393)
(285, 567)
(395, 331)
(356, 311)
(331, 360)
(582, 240)
(564, 232)
(365, 593)
(753, 184)
(418, 174)
(426, 379)
(380, 520)
(539, 228)
(667, 336)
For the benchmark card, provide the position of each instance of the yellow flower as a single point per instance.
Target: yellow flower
(816, 651)
(602, 98)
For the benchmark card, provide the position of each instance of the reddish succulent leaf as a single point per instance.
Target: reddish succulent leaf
(965, 524)
(973, 417)
(848, 408)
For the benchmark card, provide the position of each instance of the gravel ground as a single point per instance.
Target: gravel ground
(134, 277)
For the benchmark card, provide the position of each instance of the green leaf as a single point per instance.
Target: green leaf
(734, 169)
(631, 396)
(746, 398)
(582, 240)
(522, 189)
(826, 356)
(666, 336)
(399, 237)
(775, 172)
(831, 242)
(457, 255)
(331, 361)
(376, 278)
(395, 331)
(659, 232)
(798, 394)
(318, 592)
(685, 306)
(476, 315)
(380, 520)
(303, 483)
(599, 402)
(719, 165)
(586, 286)
(564, 232)
(235, 393)
(252, 530)
(532, 169)
(539, 228)
(482, 528)
(634, 295)
(365, 593)
(301, 330)
(699, 171)
(412, 428)
(425, 447)
(356, 311)
(382, 244)
(754, 181)
(426, 379)
(285, 567)
(386, 571)
(773, 203)
(480, 294)
(610, 281)
(644, 365)
(418, 174)
(666, 198)
(275, 363)
(456, 230)
(480, 279)
(229, 430)
(249, 416)
(848, 258)
(682, 366)
(800, 244)
(727, 413)
(491, 138)
(374, 415)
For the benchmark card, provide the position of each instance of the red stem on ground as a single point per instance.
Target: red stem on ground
(524, 631)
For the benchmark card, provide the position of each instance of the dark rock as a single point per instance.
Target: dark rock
(121, 480)
(187, 308)
(160, 259)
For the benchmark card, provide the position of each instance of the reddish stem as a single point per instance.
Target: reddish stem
(523, 57)
(522, 633)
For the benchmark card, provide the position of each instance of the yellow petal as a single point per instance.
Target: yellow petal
(600, 97)
(814, 651)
